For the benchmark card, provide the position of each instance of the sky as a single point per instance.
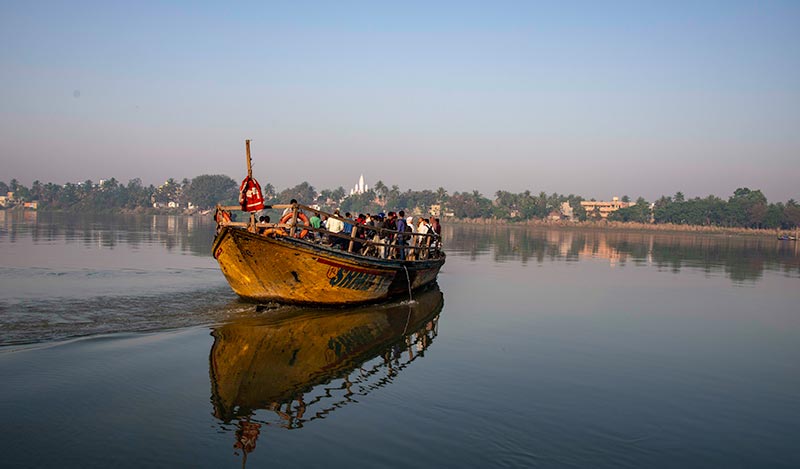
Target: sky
(592, 98)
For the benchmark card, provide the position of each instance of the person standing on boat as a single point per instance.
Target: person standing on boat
(348, 230)
(316, 222)
(387, 236)
(411, 228)
(348, 227)
(361, 233)
(436, 229)
(401, 237)
(422, 241)
(374, 235)
(336, 226)
(288, 209)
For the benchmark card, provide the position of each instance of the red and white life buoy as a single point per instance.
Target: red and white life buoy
(222, 217)
(250, 197)
(301, 216)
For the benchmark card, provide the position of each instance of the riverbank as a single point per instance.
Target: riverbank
(114, 211)
(627, 226)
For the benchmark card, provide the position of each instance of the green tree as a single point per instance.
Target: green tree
(441, 195)
(791, 213)
(361, 203)
(382, 192)
(208, 190)
(304, 193)
(470, 205)
(747, 208)
(338, 194)
(639, 212)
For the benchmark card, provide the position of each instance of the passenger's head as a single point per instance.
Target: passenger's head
(402, 214)
(293, 201)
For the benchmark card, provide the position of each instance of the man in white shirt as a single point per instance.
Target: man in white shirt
(335, 226)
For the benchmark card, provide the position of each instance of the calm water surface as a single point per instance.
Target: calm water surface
(122, 345)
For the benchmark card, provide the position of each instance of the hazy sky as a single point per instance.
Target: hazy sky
(593, 98)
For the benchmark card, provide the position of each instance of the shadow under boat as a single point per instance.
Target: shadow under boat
(300, 364)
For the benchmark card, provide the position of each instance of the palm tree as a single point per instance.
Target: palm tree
(382, 191)
(441, 194)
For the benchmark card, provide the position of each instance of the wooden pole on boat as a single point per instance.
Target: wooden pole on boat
(252, 226)
(249, 165)
(293, 229)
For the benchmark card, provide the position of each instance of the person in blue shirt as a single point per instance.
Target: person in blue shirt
(401, 237)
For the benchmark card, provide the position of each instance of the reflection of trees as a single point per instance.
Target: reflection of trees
(741, 259)
(192, 234)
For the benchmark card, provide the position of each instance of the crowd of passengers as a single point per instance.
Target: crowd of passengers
(406, 235)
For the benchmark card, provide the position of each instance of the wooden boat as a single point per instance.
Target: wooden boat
(286, 361)
(280, 262)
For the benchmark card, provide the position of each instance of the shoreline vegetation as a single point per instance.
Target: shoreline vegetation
(745, 213)
(630, 227)
(588, 225)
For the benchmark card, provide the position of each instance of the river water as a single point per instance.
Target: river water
(122, 345)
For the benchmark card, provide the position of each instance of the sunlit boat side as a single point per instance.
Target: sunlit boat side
(281, 267)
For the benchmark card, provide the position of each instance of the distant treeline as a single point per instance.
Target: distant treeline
(744, 209)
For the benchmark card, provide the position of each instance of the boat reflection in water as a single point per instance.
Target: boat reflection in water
(296, 366)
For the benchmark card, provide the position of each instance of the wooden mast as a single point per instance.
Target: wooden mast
(252, 225)
(249, 166)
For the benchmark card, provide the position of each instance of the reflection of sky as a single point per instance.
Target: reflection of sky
(598, 99)
(69, 255)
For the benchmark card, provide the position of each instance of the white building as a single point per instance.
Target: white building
(360, 187)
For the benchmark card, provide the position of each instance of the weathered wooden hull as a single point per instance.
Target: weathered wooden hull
(260, 363)
(288, 270)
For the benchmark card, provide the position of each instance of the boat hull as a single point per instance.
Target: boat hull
(288, 270)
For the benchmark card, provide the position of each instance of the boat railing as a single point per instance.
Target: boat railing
(425, 245)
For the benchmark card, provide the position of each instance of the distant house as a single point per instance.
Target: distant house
(554, 215)
(435, 210)
(604, 208)
(7, 200)
(31, 205)
(172, 204)
(566, 211)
